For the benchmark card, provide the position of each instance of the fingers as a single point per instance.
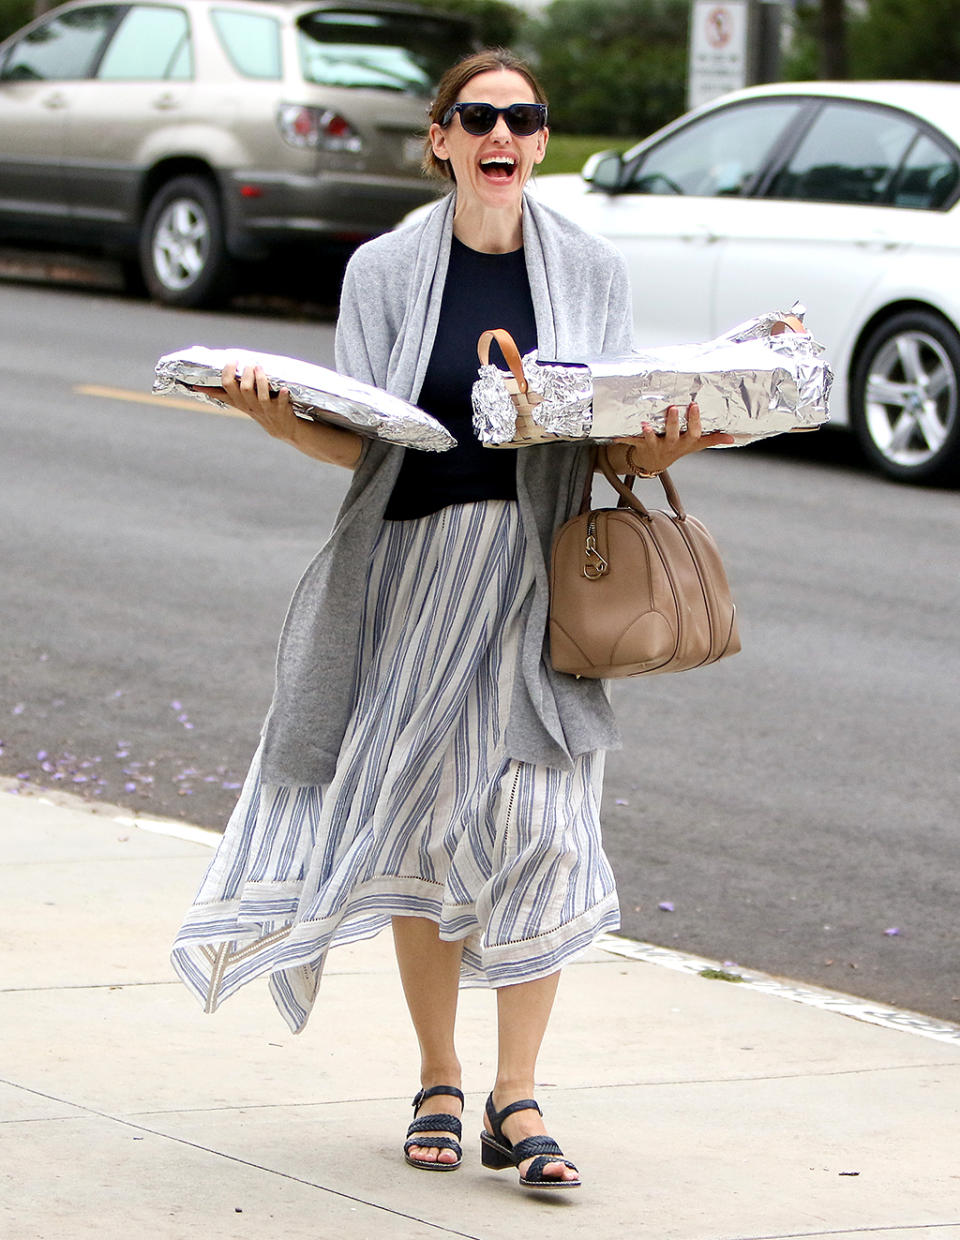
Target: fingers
(249, 391)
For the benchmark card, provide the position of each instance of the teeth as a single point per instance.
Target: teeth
(498, 159)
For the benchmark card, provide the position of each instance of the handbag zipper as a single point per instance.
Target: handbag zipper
(595, 565)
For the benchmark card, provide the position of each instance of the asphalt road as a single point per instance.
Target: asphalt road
(793, 809)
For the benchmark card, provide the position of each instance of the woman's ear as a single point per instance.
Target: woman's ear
(438, 140)
(542, 139)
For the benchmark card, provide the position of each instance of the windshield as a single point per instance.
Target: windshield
(379, 51)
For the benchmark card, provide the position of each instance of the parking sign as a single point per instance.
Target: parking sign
(718, 49)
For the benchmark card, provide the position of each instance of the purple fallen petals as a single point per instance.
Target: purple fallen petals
(23, 775)
(130, 786)
(892, 931)
(41, 755)
(175, 705)
(666, 906)
(229, 786)
(621, 801)
(18, 709)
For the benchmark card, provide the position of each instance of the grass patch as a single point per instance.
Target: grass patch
(568, 152)
(720, 975)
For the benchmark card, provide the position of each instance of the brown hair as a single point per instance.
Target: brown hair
(454, 81)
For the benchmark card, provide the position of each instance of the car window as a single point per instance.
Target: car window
(927, 178)
(252, 42)
(849, 154)
(151, 44)
(64, 48)
(720, 153)
(380, 51)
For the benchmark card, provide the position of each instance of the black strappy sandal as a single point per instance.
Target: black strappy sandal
(435, 1123)
(497, 1151)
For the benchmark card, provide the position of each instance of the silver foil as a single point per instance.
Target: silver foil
(747, 383)
(316, 393)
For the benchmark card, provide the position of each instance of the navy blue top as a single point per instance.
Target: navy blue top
(481, 291)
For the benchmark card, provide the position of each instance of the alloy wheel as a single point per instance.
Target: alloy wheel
(910, 399)
(181, 243)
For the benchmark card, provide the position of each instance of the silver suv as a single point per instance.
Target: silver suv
(184, 135)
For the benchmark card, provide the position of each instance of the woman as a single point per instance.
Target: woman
(421, 763)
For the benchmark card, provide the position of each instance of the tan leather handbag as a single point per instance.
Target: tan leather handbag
(635, 592)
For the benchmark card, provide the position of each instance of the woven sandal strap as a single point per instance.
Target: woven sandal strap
(435, 1143)
(496, 1117)
(530, 1146)
(535, 1171)
(436, 1123)
(434, 1090)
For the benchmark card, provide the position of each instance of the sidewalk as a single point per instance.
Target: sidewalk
(696, 1109)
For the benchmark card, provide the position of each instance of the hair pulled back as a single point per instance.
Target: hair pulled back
(452, 84)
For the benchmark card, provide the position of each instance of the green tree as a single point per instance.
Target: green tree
(907, 39)
(614, 67)
(497, 22)
(14, 14)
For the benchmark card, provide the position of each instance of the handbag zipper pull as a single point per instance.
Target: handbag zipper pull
(596, 565)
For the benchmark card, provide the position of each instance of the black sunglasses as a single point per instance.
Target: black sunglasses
(523, 119)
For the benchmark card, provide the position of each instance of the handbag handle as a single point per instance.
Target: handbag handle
(511, 354)
(627, 497)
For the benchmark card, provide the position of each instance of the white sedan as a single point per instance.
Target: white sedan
(843, 196)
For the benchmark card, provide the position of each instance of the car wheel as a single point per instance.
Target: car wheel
(183, 255)
(906, 398)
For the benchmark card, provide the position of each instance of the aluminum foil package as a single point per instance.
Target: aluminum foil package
(317, 395)
(753, 382)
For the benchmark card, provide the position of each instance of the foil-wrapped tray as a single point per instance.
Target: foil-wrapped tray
(316, 393)
(763, 377)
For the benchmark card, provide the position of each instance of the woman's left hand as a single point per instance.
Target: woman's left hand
(653, 453)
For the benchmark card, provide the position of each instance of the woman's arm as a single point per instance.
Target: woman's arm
(251, 394)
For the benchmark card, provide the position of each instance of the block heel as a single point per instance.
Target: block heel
(492, 1156)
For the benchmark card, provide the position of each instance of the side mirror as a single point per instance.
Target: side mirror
(604, 171)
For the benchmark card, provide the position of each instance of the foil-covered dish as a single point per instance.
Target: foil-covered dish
(316, 393)
(764, 377)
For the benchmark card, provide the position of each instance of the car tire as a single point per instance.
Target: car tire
(183, 253)
(905, 398)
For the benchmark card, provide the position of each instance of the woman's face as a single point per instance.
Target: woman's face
(494, 168)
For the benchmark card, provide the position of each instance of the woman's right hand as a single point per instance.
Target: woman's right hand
(249, 392)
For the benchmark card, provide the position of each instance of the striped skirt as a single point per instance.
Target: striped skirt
(426, 814)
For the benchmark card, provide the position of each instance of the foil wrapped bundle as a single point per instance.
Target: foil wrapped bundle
(763, 377)
(316, 393)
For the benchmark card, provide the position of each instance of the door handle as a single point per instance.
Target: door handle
(877, 240)
(701, 233)
(55, 101)
(166, 101)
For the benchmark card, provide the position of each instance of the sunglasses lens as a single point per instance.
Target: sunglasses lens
(478, 118)
(524, 119)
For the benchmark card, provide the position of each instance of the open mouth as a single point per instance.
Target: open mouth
(498, 167)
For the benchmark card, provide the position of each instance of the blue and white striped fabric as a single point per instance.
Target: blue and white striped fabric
(426, 815)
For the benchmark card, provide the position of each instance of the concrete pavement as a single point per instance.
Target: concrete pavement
(696, 1109)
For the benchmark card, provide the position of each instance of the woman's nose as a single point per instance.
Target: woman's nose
(501, 130)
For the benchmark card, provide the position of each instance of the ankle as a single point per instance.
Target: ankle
(440, 1073)
(512, 1089)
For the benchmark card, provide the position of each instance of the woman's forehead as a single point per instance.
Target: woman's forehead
(500, 86)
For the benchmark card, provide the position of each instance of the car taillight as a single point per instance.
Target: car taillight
(316, 127)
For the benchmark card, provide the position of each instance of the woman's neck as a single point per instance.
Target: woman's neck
(490, 232)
